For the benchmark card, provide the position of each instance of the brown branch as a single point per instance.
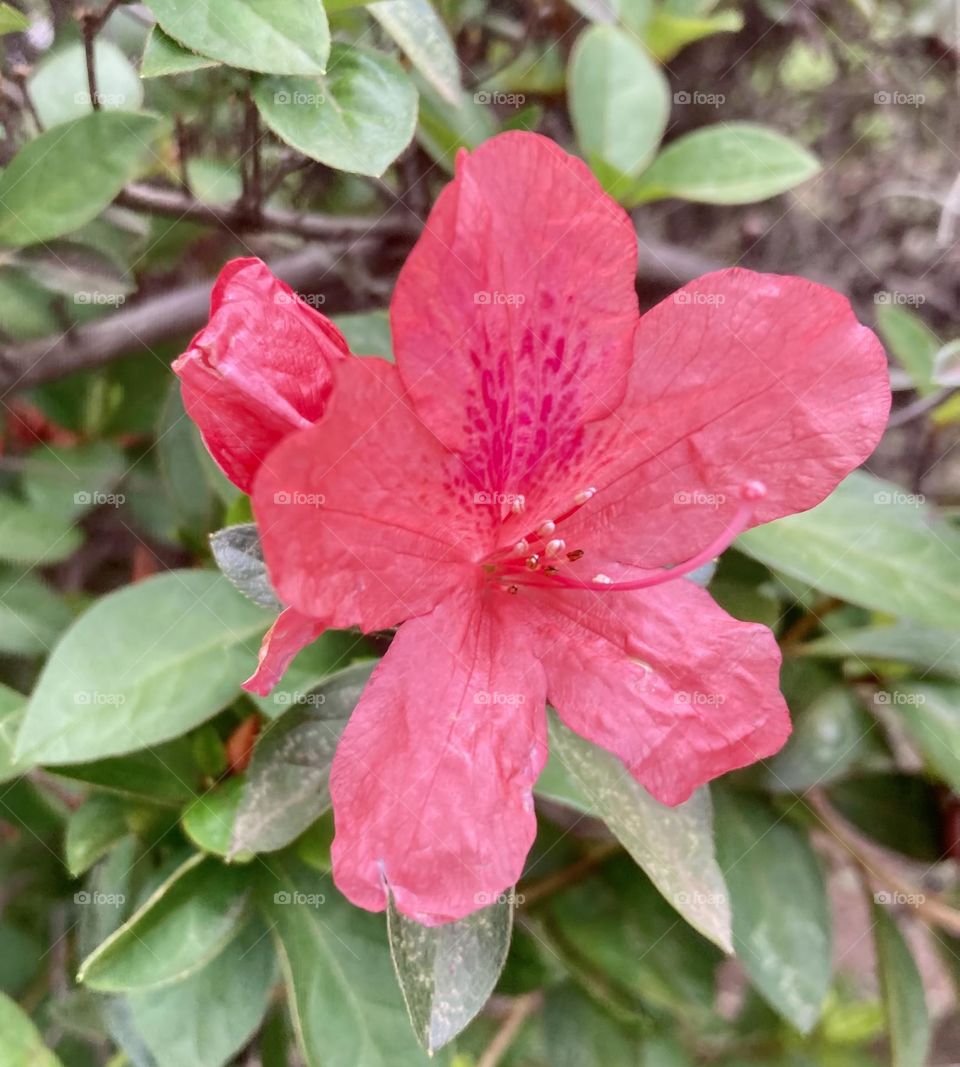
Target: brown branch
(522, 1008)
(177, 312)
(175, 204)
(91, 23)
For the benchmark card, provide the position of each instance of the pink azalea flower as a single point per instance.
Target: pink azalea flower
(522, 494)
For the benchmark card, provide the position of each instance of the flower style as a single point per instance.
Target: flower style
(522, 493)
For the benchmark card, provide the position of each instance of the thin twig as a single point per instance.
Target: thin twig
(535, 891)
(91, 23)
(930, 906)
(521, 1010)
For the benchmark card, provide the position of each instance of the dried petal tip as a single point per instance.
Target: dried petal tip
(555, 547)
(753, 490)
(545, 529)
(602, 579)
(582, 498)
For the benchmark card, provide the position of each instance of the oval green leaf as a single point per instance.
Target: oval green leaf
(419, 31)
(143, 665)
(60, 92)
(619, 102)
(99, 152)
(730, 163)
(447, 973)
(357, 118)
(184, 924)
(901, 986)
(20, 1042)
(262, 35)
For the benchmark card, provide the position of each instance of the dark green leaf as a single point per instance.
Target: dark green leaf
(781, 916)
(92, 830)
(287, 781)
(903, 997)
(165, 775)
(898, 811)
(209, 821)
(448, 972)
(100, 152)
(163, 55)
(931, 713)
(936, 651)
(187, 922)
(205, 1020)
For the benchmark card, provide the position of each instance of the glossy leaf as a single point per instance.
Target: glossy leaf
(287, 781)
(420, 33)
(902, 988)
(144, 664)
(730, 163)
(358, 118)
(674, 846)
(781, 917)
(911, 343)
(187, 922)
(619, 101)
(448, 972)
(100, 152)
(165, 775)
(872, 544)
(239, 556)
(209, 821)
(936, 651)
(931, 713)
(261, 35)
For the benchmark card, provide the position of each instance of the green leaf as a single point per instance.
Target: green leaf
(447, 973)
(445, 128)
(32, 535)
(165, 775)
(674, 846)
(144, 664)
(239, 555)
(781, 916)
(209, 821)
(100, 152)
(619, 101)
(20, 1042)
(163, 55)
(730, 163)
(667, 34)
(32, 613)
(578, 1033)
(184, 924)
(262, 35)
(287, 780)
(92, 830)
(931, 713)
(871, 544)
(899, 811)
(357, 118)
(936, 651)
(910, 341)
(12, 705)
(901, 986)
(421, 34)
(367, 333)
(205, 1020)
(343, 994)
(12, 20)
(830, 736)
(59, 89)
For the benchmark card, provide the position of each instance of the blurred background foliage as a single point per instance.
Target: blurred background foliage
(165, 898)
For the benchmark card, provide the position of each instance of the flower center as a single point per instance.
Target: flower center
(542, 560)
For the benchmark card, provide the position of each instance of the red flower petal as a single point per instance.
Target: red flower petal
(432, 779)
(738, 376)
(513, 315)
(365, 518)
(291, 632)
(258, 370)
(663, 678)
